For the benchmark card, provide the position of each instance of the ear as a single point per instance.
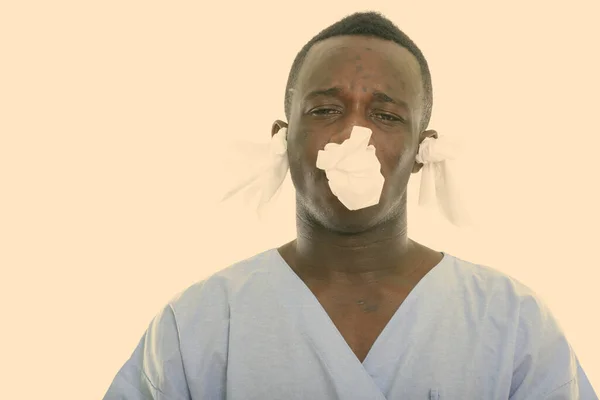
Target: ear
(424, 135)
(277, 126)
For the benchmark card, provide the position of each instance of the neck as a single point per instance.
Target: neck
(381, 251)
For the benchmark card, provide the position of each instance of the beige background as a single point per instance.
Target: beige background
(114, 116)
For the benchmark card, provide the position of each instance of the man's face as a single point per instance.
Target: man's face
(347, 81)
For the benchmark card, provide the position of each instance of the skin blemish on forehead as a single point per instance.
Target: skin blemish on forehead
(383, 67)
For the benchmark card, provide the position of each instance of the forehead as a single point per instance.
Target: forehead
(344, 59)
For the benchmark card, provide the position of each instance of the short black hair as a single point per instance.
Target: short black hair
(371, 24)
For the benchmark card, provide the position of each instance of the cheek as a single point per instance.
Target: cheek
(297, 171)
(296, 164)
(392, 156)
(304, 148)
(301, 160)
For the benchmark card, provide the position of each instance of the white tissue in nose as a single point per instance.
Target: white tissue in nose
(353, 170)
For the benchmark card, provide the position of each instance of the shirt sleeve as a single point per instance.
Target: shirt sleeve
(155, 369)
(545, 365)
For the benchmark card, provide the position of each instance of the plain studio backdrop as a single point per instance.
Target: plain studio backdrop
(115, 118)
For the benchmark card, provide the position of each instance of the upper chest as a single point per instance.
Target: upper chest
(360, 314)
(361, 310)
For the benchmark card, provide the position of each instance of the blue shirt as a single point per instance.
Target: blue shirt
(255, 331)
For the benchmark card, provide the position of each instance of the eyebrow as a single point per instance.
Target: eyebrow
(336, 91)
(330, 92)
(384, 98)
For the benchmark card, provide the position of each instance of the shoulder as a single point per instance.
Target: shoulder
(503, 298)
(542, 358)
(211, 296)
(485, 282)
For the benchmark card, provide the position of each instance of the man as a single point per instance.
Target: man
(353, 308)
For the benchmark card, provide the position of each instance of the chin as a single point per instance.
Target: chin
(337, 218)
(323, 208)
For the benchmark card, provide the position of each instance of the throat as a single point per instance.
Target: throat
(354, 264)
(376, 251)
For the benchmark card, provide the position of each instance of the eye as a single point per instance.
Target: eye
(389, 117)
(324, 111)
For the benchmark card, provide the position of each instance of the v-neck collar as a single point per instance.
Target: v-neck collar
(367, 377)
